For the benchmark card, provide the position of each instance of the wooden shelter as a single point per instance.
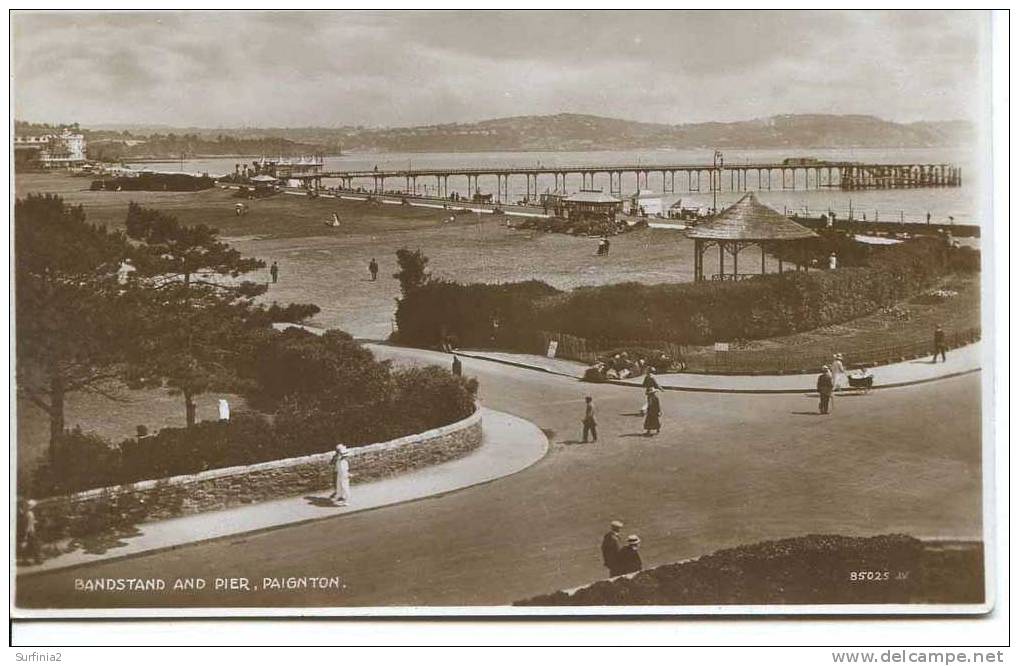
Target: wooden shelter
(747, 222)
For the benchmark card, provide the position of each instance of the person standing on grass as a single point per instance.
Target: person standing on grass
(939, 345)
(611, 544)
(589, 422)
(274, 271)
(373, 268)
(629, 559)
(341, 486)
(825, 386)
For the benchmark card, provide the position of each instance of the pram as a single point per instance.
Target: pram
(861, 382)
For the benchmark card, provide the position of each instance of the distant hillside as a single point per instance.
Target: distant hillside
(565, 131)
(584, 132)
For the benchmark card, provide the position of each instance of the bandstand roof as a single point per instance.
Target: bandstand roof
(750, 220)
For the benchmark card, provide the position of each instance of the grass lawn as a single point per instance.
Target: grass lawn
(877, 338)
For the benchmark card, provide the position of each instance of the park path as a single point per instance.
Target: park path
(509, 445)
(959, 362)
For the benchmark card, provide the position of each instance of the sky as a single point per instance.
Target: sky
(403, 68)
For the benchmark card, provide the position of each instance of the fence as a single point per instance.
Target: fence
(575, 348)
(770, 361)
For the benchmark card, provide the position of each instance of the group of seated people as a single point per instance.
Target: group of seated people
(621, 365)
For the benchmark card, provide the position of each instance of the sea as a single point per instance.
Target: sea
(968, 204)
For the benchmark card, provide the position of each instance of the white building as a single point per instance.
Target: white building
(646, 202)
(66, 149)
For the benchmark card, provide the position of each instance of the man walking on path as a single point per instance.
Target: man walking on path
(457, 366)
(825, 386)
(373, 268)
(590, 425)
(629, 559)
(274, 271)
(611, 544)
(939, 345)
(341, 492)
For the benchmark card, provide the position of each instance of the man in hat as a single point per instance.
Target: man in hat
(458, 368)
(589, 422)
(825, 386)
(939, 345)
(611, 544)
(629, 559)
(341, 465)
(274, 271)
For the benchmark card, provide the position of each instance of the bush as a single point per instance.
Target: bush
(474, 315)
(690, 313)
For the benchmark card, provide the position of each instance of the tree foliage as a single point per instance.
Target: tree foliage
(413, 272)
(70, 314)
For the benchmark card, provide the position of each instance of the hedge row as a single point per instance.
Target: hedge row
(512, 315)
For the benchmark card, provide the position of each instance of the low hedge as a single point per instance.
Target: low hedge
(688, 313)
(815, 569)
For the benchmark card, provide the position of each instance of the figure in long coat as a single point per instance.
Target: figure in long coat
(653, 418)
(341, 466)
(838, 373)
(611, 544)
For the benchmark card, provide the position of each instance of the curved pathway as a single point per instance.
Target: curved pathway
(509, 444)
(728, 469)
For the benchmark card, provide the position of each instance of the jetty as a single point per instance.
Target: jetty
(790, 174)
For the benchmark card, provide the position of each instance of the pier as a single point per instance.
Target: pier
(816, 174)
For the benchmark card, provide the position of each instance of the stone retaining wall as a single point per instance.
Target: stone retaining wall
(102, 509)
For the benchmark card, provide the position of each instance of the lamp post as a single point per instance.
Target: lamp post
(717, 161)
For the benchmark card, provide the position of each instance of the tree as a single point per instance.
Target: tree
(69, 305)
(413, 271)
(199, 316)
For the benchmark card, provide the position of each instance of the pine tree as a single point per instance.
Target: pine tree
(200, 317)
(69, 312)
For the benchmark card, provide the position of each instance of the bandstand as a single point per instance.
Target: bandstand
(747, 222)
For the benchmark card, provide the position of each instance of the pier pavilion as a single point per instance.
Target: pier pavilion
(747, 222)
(592, 205)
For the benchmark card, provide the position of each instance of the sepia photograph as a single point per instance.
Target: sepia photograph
(516, 313)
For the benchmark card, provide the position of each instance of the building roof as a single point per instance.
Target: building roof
(748, 219)
(591, 196)
(263, 179)
(645, 194)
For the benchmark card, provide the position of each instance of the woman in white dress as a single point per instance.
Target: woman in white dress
(341, 492)
(838, 372)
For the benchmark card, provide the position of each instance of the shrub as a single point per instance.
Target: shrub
(474, 315)
(690, 313)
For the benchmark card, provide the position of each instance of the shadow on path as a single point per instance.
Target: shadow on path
(322, 502)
